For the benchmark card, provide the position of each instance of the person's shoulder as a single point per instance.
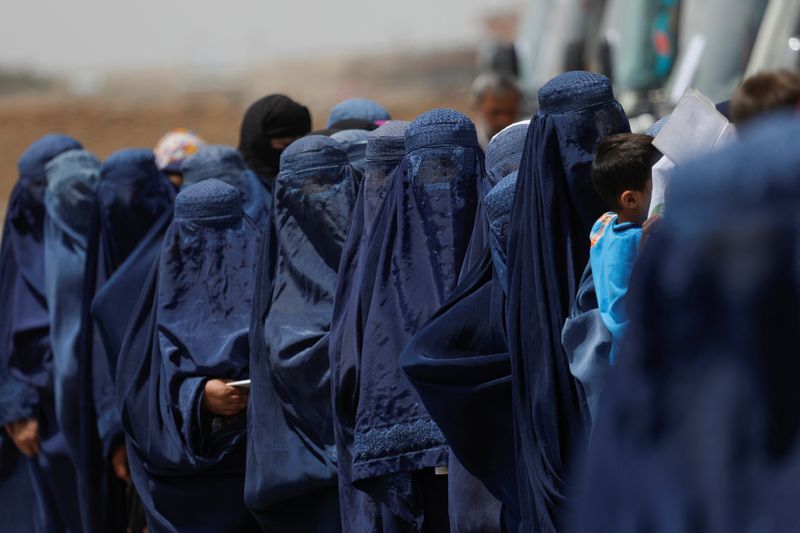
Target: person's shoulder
(601, 226)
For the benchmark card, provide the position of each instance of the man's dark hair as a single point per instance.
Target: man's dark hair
(622, 162)
(762, 93)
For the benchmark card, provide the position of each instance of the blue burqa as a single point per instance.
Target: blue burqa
(554, 209)
(460, 366)
(191, 325)
(425, 226)
(72, 178)
(385, 151)
(226, 164)
(698, 429)
(291, 463)
(26, 390)
(354, 144)
(132, 197)
(503, 155)
(357, 108)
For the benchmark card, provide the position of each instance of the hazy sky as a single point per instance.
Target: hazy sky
(69, 34)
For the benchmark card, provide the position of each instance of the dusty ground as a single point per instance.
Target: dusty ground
(135, 109)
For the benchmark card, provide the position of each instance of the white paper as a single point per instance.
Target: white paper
(694, 128)
(661, 174)
(243, 384)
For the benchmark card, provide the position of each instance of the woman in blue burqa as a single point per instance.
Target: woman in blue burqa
(698, 428)
(548, 249)
(185, 426)
(291, 456)
(384, 152)
(414, 258)
(127, 222)
(27, 396)
(460, 366)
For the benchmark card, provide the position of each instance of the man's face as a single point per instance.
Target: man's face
(498, 111)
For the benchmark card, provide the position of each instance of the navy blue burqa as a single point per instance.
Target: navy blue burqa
(27, 387)
(503, 155)
(698, 429)
(555, 207)
(226, 164)
(291, 480)
(425, 227)
(72, 178)
(385, 151)
(132, 197)
(460, 366)
(191, 325)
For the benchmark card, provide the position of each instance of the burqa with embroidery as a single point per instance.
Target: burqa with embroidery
(425, 228)
(191, 325)
(555, 206)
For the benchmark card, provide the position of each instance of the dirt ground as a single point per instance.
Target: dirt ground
(135, 109)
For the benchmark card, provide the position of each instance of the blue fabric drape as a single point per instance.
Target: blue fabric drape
(460, 366)
(226, 164)
(315, 194)
(72, 179)
(191, 325)
(385, 150)
(26, 389)
(354, 144)
(357, 108)
(698, 427)
(554, 209)
(425, 226)
(503, 155)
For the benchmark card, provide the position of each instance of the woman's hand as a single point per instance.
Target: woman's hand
(223, 400)
(25, 435)
(119, 462)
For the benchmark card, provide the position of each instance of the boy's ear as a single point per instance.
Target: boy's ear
(628, 200)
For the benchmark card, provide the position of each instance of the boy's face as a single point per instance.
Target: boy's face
(634, 205)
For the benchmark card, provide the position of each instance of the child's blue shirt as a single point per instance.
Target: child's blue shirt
(614, 248)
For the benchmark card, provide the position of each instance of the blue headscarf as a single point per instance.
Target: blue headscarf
(425, 228)
(354, 143)
(385, 151)
(555, 207)
(226, 164)
(315, 194)
(698, 427)
(26, 389)
(191, 325)
(357, 108)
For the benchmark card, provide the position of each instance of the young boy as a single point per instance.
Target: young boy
(621, 175)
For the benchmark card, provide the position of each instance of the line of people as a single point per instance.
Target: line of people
(378, 327)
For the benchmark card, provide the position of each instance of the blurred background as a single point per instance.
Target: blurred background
(120, 74)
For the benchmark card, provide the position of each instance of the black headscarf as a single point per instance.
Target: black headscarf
(275, 115)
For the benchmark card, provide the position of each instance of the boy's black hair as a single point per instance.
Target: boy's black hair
(622, 162)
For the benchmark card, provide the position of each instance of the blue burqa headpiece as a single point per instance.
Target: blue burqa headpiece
(26, 386)
(291, 448)
(555, 207)
(698, 427)
(385, 151)
(357, 108)
(354, 144)
(191, 325)
(425, 228)
(226, 164)
(503, 157)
